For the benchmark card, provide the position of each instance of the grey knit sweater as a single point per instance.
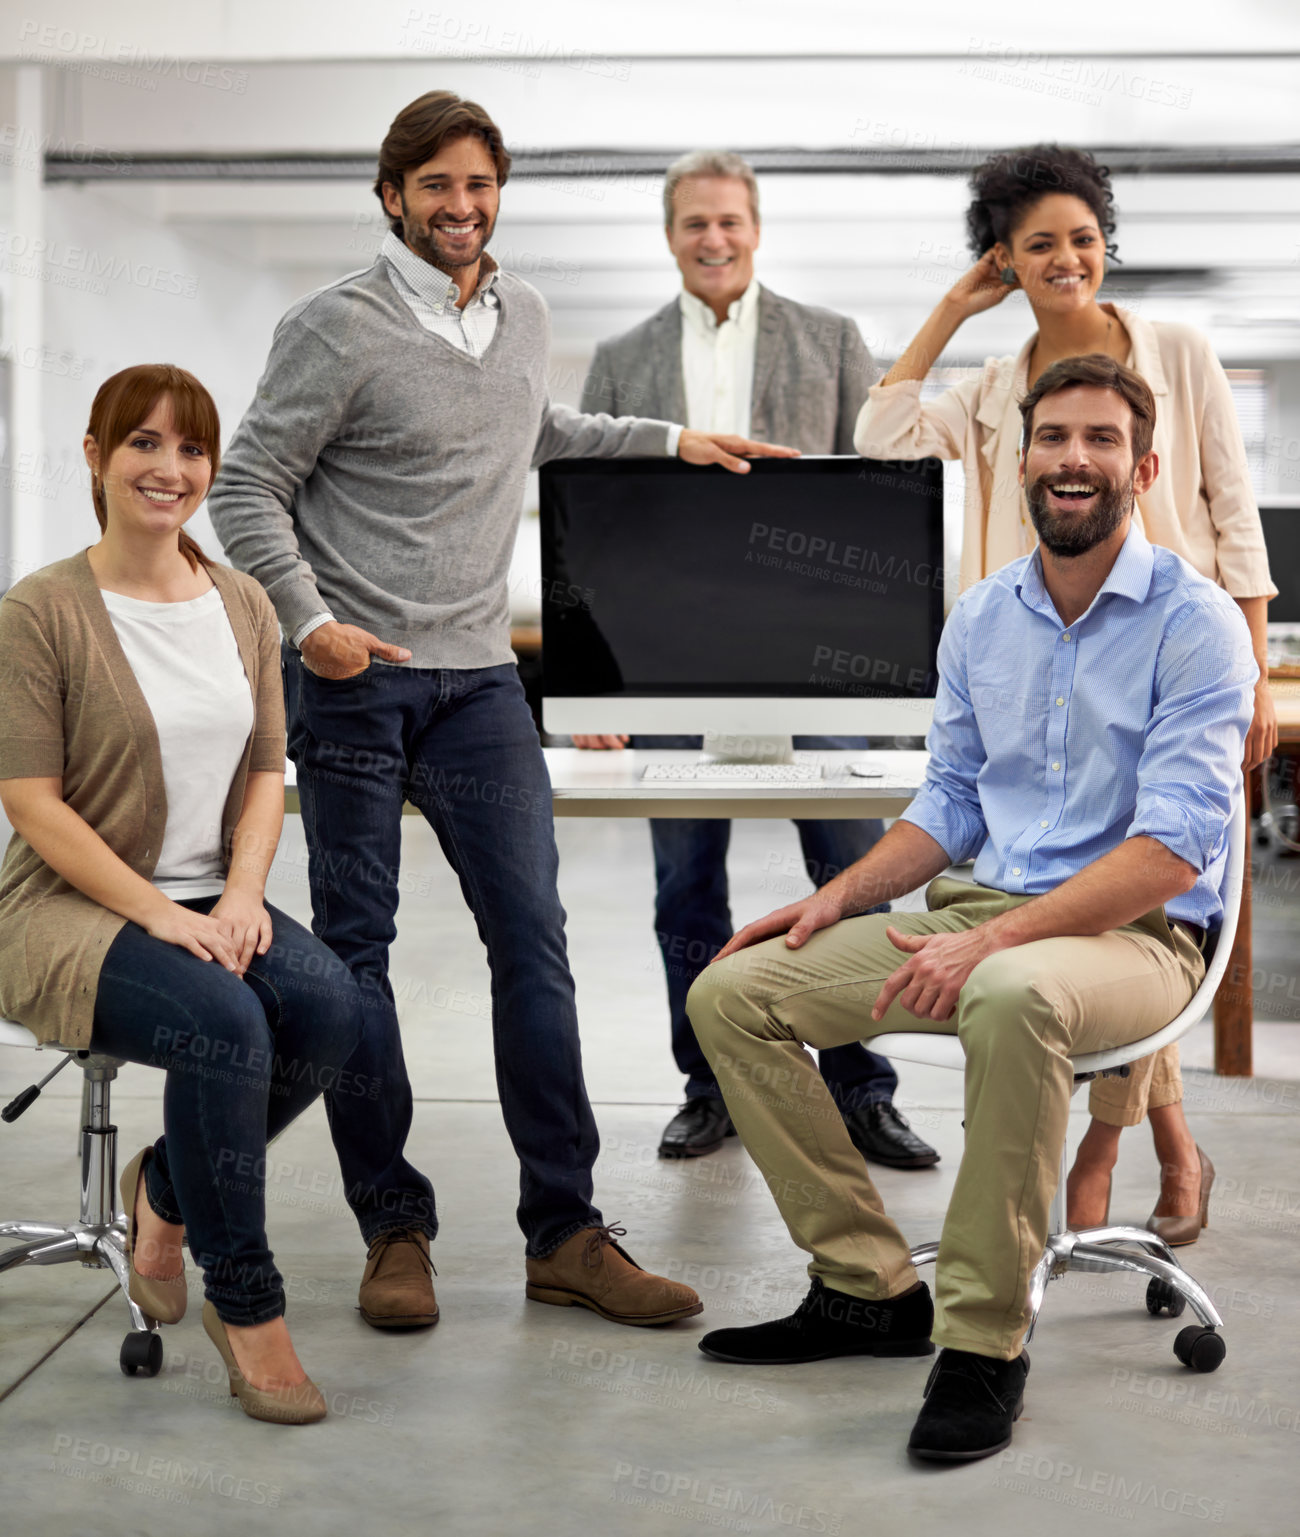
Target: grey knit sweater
(379, 472)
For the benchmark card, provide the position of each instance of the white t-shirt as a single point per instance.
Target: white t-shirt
(187, 664)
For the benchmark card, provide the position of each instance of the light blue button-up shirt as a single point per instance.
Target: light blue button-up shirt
(1051, 744)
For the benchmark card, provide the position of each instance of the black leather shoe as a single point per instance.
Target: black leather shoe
(971, 1403)
(830, 1323)
(700, 1126)
(881, 1134)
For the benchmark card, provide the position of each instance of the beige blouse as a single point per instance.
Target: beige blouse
(74, 710)
(1201, 506)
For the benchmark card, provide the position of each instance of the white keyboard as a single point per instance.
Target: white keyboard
(732, 773)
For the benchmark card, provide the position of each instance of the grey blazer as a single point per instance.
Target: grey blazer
(812, 371)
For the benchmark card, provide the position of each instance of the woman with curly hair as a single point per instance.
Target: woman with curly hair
(1042, 220)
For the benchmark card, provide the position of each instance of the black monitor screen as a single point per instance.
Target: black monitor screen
(1282, 537)
(804, 578)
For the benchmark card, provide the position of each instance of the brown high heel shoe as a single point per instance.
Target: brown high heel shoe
(1177, 1231)
(301, 1404)
(163, 1300)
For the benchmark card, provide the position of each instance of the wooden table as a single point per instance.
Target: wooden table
(1234, 1003)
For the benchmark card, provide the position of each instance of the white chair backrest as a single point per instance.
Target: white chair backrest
(1201, 1001)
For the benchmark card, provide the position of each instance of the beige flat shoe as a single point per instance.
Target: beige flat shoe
(301, 1404)
(163, 1301)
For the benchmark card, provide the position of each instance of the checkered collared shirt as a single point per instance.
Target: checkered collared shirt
(431, 297)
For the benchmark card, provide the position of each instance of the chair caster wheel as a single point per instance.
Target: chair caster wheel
(142, 1351)
(1200, 1348)
(1163, 1297)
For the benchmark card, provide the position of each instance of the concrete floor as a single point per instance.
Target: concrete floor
(513, 1417)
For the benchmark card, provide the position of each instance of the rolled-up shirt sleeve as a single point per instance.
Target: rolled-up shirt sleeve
(948, 804)
(895, 424)
(1189, 773)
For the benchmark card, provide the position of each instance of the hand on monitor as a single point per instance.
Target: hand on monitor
(618, 742)
(724, 447)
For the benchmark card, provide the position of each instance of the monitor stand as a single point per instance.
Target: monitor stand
(730, 747)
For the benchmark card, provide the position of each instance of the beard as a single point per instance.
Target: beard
(427, 244)
(1063, 534)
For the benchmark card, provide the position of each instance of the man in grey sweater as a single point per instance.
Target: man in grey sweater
(374, 489)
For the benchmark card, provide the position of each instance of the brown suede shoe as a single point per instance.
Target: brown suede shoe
(590, 1270)
(397, 1287)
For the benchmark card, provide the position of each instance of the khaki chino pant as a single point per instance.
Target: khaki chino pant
(1020, 1017)
(1152, 1083)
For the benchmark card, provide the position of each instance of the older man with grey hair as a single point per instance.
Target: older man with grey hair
(726, 355)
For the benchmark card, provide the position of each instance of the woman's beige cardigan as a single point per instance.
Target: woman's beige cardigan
(1201, 506)
(74, 711)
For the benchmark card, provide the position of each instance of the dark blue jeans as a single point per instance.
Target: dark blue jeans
(693, 922)
(243, 1057)
(461, 745)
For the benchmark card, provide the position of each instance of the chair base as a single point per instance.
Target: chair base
(1100, 1250)
(98, 1238)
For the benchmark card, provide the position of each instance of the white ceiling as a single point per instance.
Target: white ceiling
(342, 29)
(590, 77)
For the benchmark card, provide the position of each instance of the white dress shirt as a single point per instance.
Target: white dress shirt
(718, 362)
(431, 297)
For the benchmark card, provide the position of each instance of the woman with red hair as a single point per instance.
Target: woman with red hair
(143, 771)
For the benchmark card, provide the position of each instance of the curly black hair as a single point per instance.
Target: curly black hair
(1009, 183)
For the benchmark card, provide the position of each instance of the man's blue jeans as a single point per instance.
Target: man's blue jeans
(243, 1057)
(461, 745)
(693, 922)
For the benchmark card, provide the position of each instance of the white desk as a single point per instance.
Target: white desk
(590, 783)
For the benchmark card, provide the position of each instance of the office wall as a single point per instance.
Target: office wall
(123, 288)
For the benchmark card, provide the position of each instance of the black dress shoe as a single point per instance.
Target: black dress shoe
(829, 1323)
(698, 1127)
(881, 1134)
(971, 1403)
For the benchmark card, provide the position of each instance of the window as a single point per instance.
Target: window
(1250, 394)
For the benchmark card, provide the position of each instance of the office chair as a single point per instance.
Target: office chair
(1111, 1248)
(97, 1239)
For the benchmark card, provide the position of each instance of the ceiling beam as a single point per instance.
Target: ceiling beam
(578, 164)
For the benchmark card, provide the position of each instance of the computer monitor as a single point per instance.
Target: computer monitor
(805, 597)
(1281, 520)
